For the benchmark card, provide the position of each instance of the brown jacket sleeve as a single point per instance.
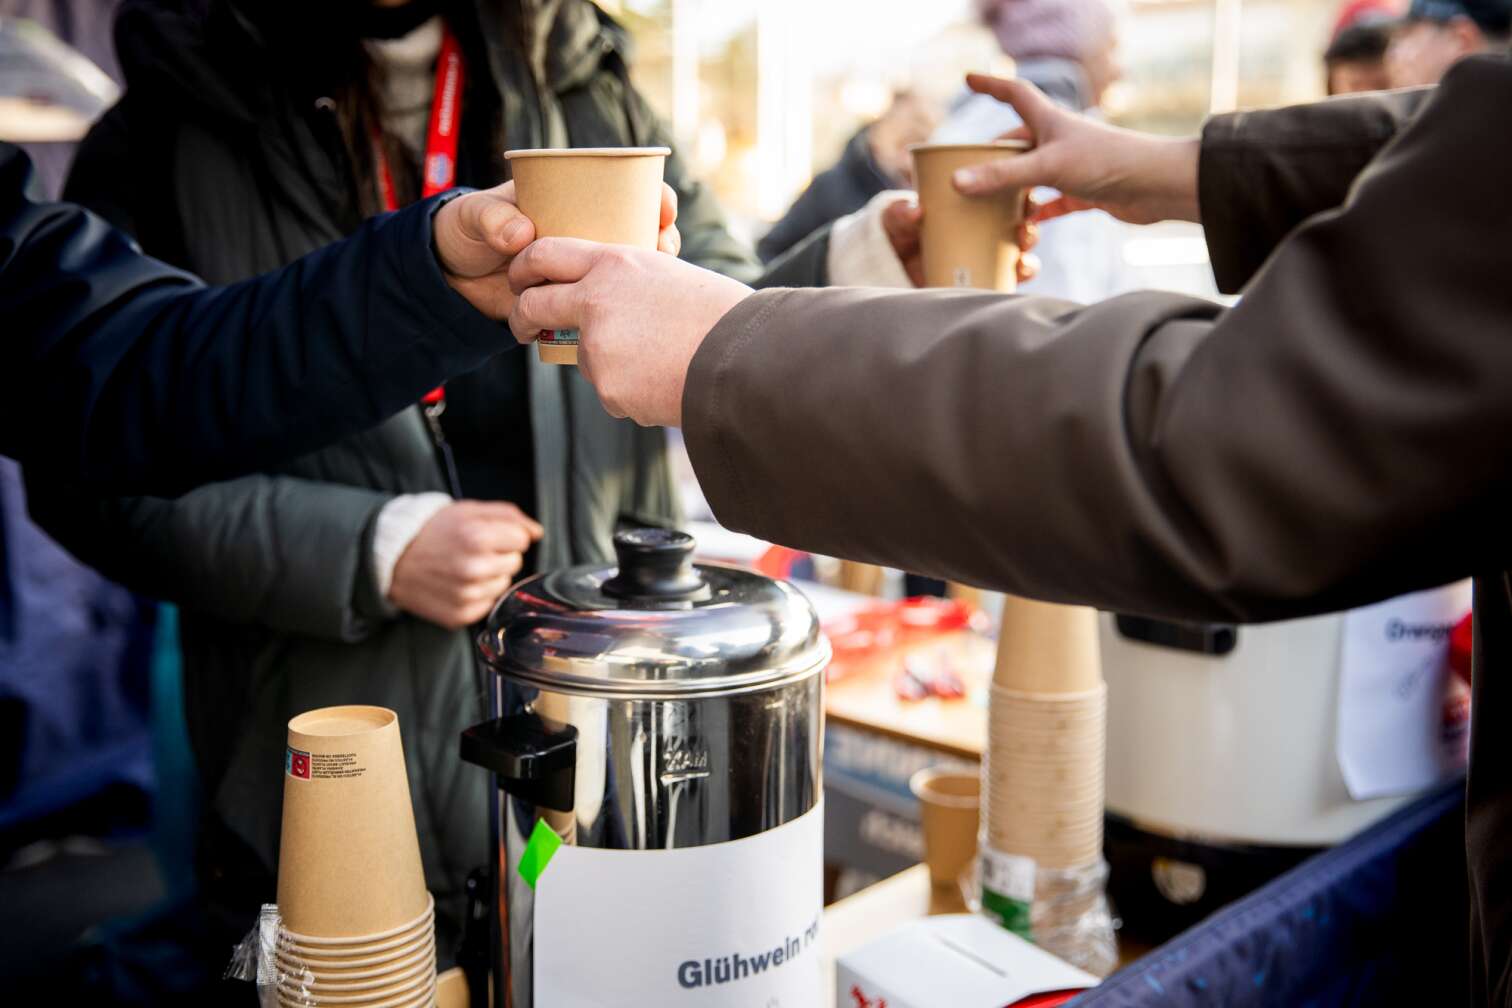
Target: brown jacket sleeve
(1339, 436)
(1264, 172)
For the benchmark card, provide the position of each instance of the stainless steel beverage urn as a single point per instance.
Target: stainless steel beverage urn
(656, 743)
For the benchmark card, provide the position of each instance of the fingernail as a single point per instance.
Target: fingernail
(965, 177)
(512, 230)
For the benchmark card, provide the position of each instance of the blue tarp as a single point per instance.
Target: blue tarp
(1379, 920)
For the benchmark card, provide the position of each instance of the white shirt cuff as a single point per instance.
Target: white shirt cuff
(398, 522)
(860, 254)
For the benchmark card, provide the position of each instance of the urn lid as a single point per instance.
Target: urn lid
(655, 624)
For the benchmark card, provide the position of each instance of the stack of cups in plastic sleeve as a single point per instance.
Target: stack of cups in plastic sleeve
(356, 924)
(1041, 870)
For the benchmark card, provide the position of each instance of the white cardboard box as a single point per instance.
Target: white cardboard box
(951, 961)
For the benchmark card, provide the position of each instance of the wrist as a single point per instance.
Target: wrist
(1175, 160)
(449, 241)
(398, 523)
(445, 225)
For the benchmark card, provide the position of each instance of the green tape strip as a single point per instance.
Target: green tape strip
(539, 851)
(1010, 913)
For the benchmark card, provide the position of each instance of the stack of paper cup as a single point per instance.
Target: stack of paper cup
(357, 924)
(967, 241)
(1042, 822)
(1045, 775)
(602, 194)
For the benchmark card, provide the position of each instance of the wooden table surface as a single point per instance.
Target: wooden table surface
(865, 699)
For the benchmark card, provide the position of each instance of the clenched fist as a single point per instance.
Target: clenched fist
(461, 561)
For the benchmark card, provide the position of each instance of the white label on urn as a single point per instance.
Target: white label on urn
(723, 924)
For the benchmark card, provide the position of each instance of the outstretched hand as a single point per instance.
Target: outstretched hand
(1136, 177)
(640, 316)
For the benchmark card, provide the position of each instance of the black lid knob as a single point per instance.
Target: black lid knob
(655, 565)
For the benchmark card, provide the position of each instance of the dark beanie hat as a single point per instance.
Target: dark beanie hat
(1494, 17)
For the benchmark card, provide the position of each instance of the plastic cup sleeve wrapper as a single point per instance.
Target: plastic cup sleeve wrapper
(1063, 910)
(255, 958)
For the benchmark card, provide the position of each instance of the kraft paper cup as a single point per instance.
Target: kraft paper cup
(602, 194)
(336, 970)
(1044, 765)
(1081, 700)
(416, 971)
(1057, 788)
(862, 578)
(421, 997)
(347, 964)
(368, 987)
(1025, 814)
(1046, 648)
(1039, 817)
(402, 993)
(362, 956)
(452, 990)
(349, 858)
(948, 805)
(967, 241)
(1052, 842)
(375, 942)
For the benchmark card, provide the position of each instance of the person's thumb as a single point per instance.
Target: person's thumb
(504, 228)
(491, 217)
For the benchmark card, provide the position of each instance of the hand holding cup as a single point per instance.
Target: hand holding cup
(1137, 177)
(642, 316)
(903, 223)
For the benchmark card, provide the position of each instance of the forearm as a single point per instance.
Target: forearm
(286, 554)
(150, 382)
(1098, 459)
(1264, 172)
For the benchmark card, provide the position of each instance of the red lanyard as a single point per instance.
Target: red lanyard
(439, 170)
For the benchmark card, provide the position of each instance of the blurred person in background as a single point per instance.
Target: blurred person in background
(875, 159)
(1438, 33)
(1355, 59)
(250, 133)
